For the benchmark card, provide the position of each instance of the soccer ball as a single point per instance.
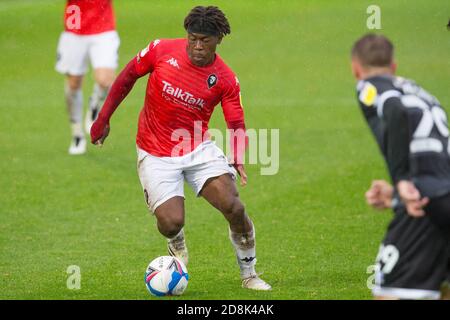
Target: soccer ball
(166, 276)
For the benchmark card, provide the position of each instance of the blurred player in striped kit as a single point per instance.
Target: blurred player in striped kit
(411, 129)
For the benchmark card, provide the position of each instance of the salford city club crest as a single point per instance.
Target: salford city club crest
(212, 80)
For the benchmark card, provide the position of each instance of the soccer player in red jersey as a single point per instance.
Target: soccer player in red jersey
(89, 35)
(187, 80)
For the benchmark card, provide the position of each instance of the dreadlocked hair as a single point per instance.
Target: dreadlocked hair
(207, 18)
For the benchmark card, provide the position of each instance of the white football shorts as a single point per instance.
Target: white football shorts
(75, 51)
(163, 178)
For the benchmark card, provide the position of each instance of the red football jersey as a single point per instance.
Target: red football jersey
(181, 97)
(87, 17)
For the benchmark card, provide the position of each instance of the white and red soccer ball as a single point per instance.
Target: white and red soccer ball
(166, 276)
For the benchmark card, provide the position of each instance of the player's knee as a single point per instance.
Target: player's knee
(74, 82)
(171, 225)
(238, 208)
(105, 83)
(104, 79)
(235, 210)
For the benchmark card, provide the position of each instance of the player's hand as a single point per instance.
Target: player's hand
(412, 199)
(99, 132)
(241, 171)
(379, 196)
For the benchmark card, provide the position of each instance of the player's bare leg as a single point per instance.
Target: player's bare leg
(104, 77)
(74, 100)
(170, 217)
(222, 193)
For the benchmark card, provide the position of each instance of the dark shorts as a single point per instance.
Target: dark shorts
(439, 210)
(413, 260)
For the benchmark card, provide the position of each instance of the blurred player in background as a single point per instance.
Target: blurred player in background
(89, 36)
(187, 80)
(411, 129)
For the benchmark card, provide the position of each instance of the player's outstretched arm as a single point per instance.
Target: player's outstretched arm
(119, 90)
(234, 117)
(238, 141)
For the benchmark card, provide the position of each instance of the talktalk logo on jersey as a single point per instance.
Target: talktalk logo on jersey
(182, 96)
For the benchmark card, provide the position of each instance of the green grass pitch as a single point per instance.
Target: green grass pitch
(315, 235)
